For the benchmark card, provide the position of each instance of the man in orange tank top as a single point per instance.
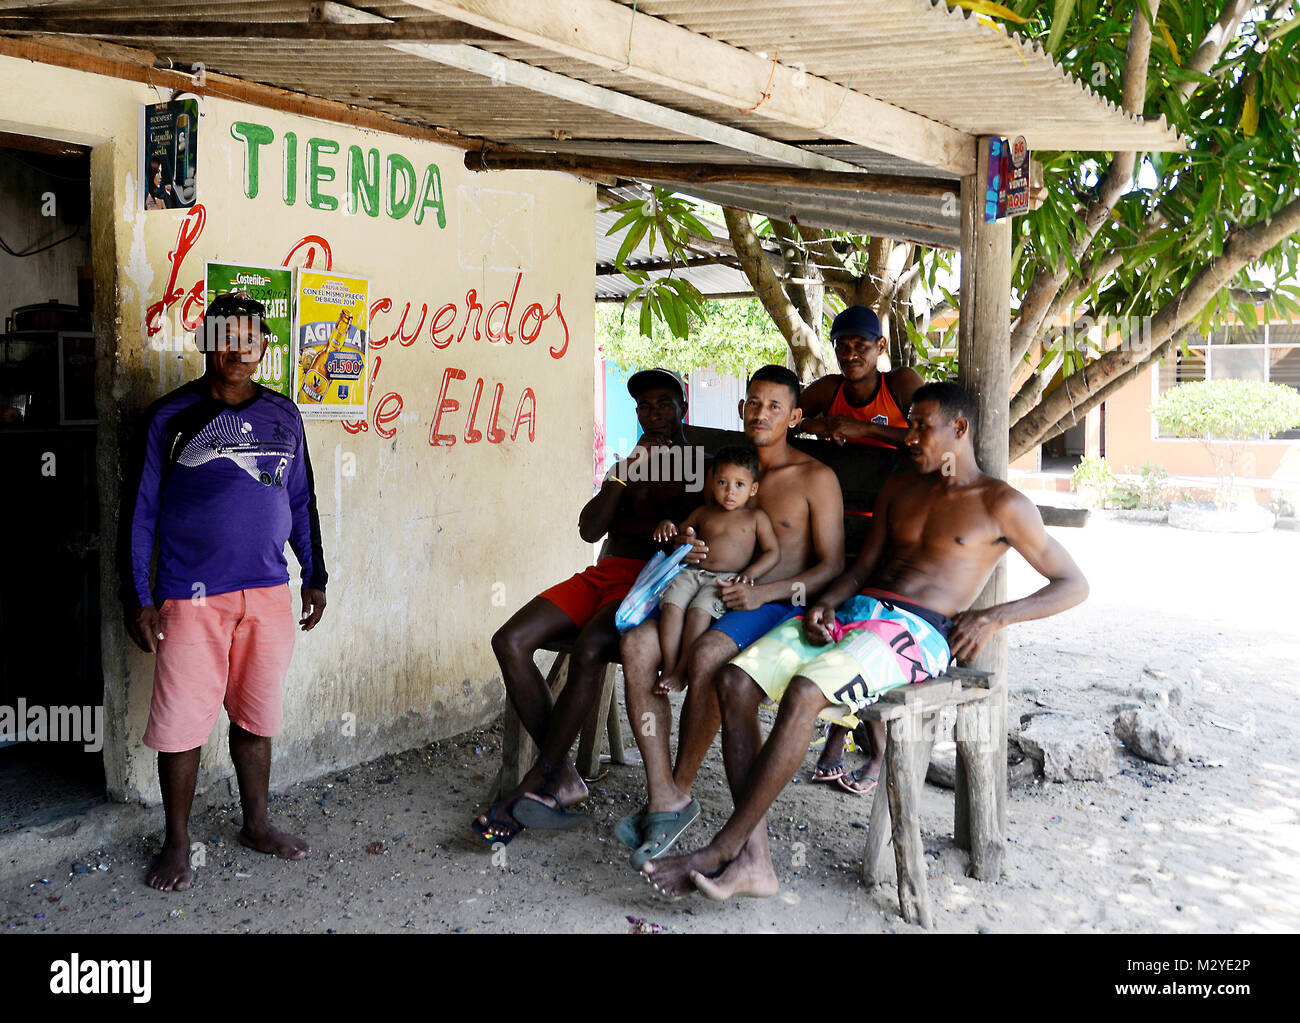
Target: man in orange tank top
(860, 405)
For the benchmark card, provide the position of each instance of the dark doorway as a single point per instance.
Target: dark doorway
(51, 685)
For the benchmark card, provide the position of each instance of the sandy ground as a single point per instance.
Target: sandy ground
(1163, 849)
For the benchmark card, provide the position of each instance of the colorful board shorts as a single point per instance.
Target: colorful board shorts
(882, 642)
(694, 587)
(581, 595)
(230, 648)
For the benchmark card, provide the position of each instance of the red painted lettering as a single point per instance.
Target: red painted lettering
(494, 433)
(565, 347)
(445, 404)
(436, 325)
(473, 436)
(383, 414)
(535, 311)
(188, 234)
(529, 417)
(383, 305)
(313, 243)
(496, 337)
(404, 339)
(471, 306)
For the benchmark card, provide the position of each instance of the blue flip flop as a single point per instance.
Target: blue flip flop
(630, 830)
(662, 830)
(487, 836)
(533, 813)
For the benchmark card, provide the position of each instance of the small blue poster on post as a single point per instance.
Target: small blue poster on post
(169, 154)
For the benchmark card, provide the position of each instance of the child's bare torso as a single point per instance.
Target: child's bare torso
(732, 537)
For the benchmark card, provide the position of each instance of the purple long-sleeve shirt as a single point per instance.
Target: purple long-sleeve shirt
(221, 488)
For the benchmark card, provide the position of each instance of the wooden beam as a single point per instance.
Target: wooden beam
(492, 157)
(503, 71)
(984, 369)
(223, 87)
(614, 37)
(172, 28)
(46, 147)
(669, 264)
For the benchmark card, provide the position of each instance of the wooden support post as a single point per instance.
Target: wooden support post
(977, 749)
(617, 754)
(879, 829)
(904, 798)
(983, 368)
(593, 729)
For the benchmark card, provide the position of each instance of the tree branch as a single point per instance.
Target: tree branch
(1046, 283)
(1216, 40)
(801, 339)
(1241, 249)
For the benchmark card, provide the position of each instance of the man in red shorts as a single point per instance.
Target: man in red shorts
(635, 496)
(223, 481)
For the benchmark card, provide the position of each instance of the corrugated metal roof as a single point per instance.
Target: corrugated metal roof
(924, 56)
(917, 55)
(715, 279)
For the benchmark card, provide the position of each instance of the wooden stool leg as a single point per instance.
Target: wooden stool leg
(901, 783)
(593, 729)
(518, 751)
(878, 833)
(614, 725)
(879, 830)
(977, 750)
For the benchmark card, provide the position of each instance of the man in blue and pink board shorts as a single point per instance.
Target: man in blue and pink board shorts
(223, 481)
(897, 616)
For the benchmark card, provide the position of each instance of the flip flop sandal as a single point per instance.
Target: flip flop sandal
(662, 830)
(630, 830)
(832, 773)
(533, 813)
(846, 783)
(492, 839)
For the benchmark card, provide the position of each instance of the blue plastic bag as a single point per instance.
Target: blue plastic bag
(650, 584)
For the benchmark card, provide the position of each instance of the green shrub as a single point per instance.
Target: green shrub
(1093, 481)
(1145, 493)
(1225, 415)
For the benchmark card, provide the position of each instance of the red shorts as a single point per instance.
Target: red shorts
(232, 649)
(581, 595)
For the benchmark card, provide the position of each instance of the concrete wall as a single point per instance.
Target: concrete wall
(1129, 441)
(429, 547)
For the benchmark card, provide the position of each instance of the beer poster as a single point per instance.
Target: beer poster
(330, 355)
(273, 287)
(168, 154)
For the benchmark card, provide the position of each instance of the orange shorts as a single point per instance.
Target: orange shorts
(232, 649)
(581, 595)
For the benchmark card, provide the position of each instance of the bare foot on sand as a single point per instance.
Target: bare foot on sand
(673, 876)
(170, 871)
(267, 839)
(749, 874)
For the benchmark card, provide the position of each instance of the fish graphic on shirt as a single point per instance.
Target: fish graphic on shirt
(228, 436)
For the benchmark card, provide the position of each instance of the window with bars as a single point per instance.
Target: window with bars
(1270, 352)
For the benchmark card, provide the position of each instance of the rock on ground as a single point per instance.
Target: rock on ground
(1068, 747)
(1151, 734)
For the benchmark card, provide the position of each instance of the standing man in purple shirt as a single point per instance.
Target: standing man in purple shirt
(223, 481)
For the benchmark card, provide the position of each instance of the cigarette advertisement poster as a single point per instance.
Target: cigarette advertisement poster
(273, 287)
(330, 372)
(168, 154)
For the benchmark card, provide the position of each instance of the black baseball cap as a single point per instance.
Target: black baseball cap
(856, 321)
(231, 306)
(645, 379)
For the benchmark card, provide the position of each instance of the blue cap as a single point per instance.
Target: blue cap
(856, 321)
